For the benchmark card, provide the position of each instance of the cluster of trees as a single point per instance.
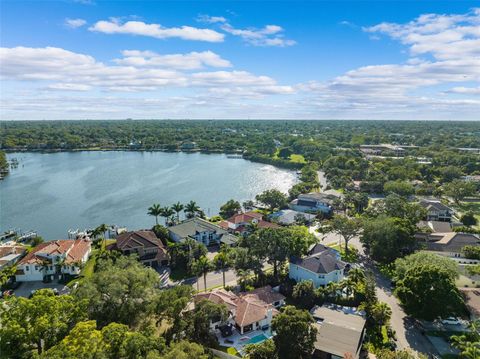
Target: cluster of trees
(3, 163)
(425, 284)
(172, 213)
(115, 313)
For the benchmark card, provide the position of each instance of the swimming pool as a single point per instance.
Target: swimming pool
(257, 339)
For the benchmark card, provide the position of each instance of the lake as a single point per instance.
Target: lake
(54, 192)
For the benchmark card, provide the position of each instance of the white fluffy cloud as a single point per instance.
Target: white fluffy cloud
(269, 35)
(114, 26)
(190, 61)
(74, 23)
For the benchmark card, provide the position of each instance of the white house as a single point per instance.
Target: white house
(315, 202)
(51, 260)
(201, 231)
(322, 265)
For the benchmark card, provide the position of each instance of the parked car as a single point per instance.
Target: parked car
(451, 321)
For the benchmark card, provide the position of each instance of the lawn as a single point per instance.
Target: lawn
(230, 350)
(352, 256)
(297, 159)
(469, 206)
(89, 267)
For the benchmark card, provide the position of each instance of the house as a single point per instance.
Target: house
(241, 222)
(188, 146)
(150, 250)
(315, 202)
(201, 231)
(54, 259)
(436, 210)
(11, 254)
(449, 244)
(322, 265)
(435, 226)
(340, 332)
(289, 216)
(247, 311)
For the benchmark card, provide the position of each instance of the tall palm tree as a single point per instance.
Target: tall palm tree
(155, 210)
(191, 209)
(222, 261)
(101, 230)
(201, 267)
(178, 207)
(167, 212)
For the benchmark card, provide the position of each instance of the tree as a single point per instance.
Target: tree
(401, 188)
(468, 219)
(428, 292)
(114, 341)
(230, 208)
(424, 258)
(272, 198)
(304, 294)
(192, 209)
(399, 354)
(381, 313)
(388, 238)
(167, 213)
(155, 210)
(459, 189)
(120, 291)
(356, 201)
(6, 273)
(248, 205)
(296, 333)
(201, 267)
(37, 323)
(178, 207)
(471, 252)
(199, 320)
(285, 153)
(185, 350)
(469, 342)
(348, 228)
(223, 260)
(264, 350)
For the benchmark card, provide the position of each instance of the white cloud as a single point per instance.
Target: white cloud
(211, 19)
(190, 61)
(465, 90)
(75, 23)
(114, 26)
(269, 35)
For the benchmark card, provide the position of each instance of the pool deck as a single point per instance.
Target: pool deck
(240, 340)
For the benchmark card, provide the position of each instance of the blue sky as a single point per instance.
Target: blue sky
(249, 59)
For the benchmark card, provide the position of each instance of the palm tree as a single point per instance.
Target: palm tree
(191, 209)
(155, 210)
(177, 207)
(167, 212)
(101, 230)
(222, 261)
(201, 267)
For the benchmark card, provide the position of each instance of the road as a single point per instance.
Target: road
(407, 335)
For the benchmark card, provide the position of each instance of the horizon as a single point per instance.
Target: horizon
(230, 60)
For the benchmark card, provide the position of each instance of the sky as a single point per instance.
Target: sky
(94, 59)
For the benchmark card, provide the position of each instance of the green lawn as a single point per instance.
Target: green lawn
(297, 159)
(230, 350)
(352, 256)
(463, 207)
(89, 267)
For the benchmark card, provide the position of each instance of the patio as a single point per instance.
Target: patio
(240, 340)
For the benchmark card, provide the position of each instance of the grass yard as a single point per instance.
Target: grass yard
(297, 159)
(469, 206)
(230, 350)
(352, 256)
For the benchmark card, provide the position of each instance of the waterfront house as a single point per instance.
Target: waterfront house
(53, 260)
(315, 202)
(449, 244)
(436, 210)
(11, 254)
(322, 265)
(150, 250)
(188, 146)
(289, 216)
(340, 332)
(201, 231)
(247, 311)
(242, 223)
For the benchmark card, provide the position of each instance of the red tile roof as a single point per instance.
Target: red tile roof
(246, 217)
(75, 249)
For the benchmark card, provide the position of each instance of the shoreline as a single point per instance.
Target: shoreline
(284, 164)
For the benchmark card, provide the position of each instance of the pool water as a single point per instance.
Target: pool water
(257, 339)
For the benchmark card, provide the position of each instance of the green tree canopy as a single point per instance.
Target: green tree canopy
(272, 198)
(424, 258)
(296, 333)
(230, 208)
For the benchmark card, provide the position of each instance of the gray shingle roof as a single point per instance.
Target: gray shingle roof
(322, 262)
(192, 226)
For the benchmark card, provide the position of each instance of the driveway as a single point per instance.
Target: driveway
(26, 288)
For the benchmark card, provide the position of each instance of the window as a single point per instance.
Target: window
(26, 268)
(36, 267)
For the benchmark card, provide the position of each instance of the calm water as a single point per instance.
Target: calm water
(52, 193)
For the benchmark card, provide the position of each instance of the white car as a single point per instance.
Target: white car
(451, 321)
